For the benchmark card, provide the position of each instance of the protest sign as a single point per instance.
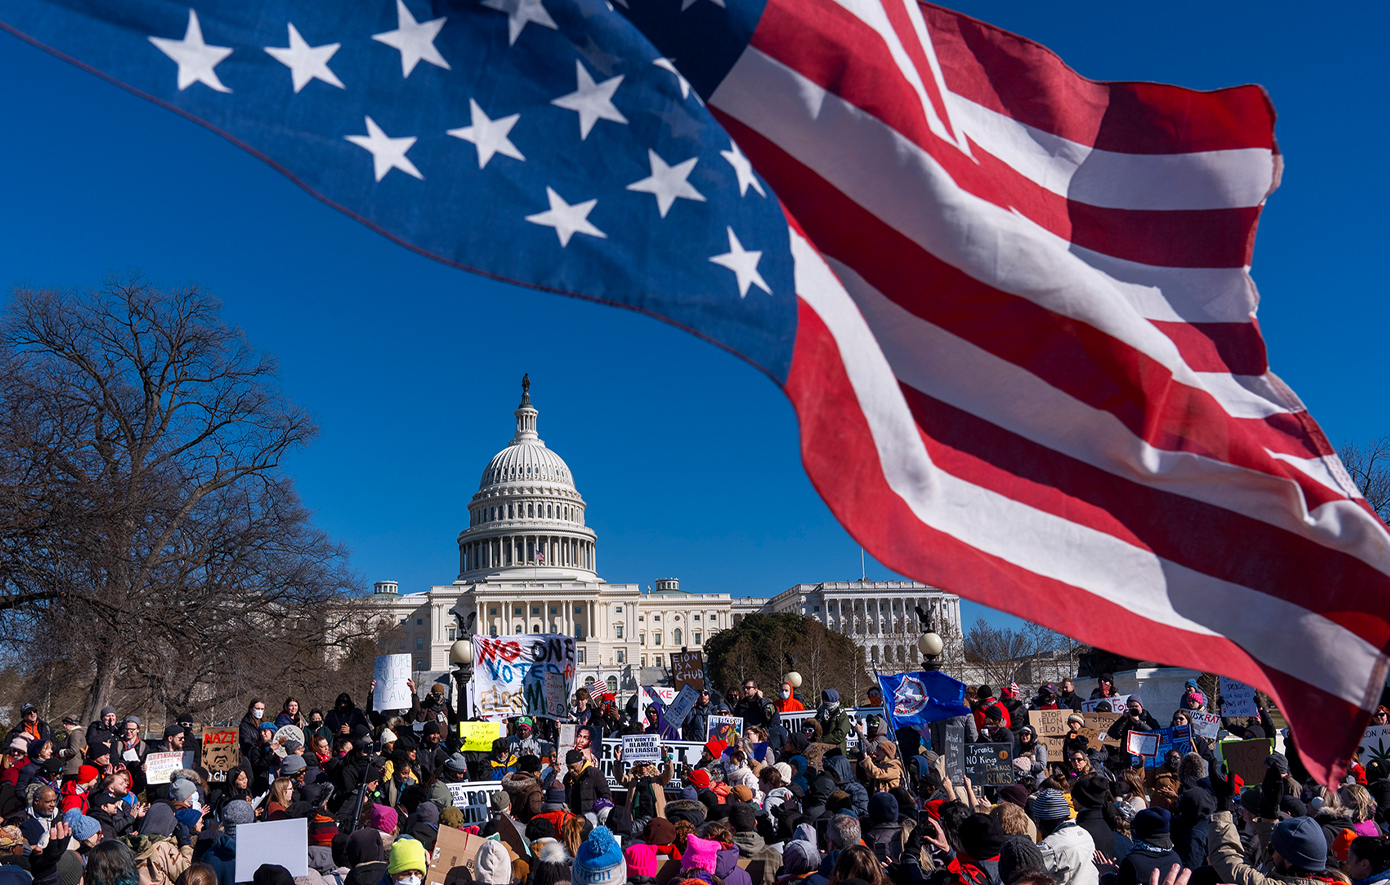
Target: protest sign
(1246, 758)
(989, 765)
(221, 752)
(472, 798)
(391, 692)
(523, 675)
(1178, 737)
(687, 668)
(1375, 744)
(1096, 728)
(953, 736)
(1142, 743)
(566, 740)
(1237, 699)
(159, 766)
(288, 733)
(1205, 724)
(641, 748)
(507, 830)
(454, 854)
(1051, 728)
(815, 753)
(477, 737)
(283, 842)
(1102, 705)
(728, 729)
(678, 710)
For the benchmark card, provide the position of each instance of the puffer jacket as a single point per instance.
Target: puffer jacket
(526, 793)
(158, 859)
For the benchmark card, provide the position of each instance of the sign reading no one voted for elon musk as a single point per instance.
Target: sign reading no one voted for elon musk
(523, 675)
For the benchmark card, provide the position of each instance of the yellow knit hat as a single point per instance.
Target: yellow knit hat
(407, 854)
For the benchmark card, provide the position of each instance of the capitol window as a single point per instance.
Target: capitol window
(697, 617)
(697, 637)
(518, 610)
(618, 609)
(656, 638)
(579, 609)
(621, 658)
(553, 609)
(452, 633)
(492, 610)
(581, 655)
(641, 638)
(535, 628)
(644, 660)
(419, 642)
(535, 610)
(519, 629)
(656, 618)
(530, 509)
(659, 661)
(619, 629)
(676, 636)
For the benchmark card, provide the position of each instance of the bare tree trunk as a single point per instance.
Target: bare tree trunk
(103, 687)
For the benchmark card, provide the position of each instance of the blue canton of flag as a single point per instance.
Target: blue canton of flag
(912, 700)
(540, 141)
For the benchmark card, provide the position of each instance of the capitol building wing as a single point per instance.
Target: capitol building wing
(528, 564)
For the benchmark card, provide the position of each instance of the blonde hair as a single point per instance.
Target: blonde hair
(1357, 799)
(282, 791)
(1010, 818)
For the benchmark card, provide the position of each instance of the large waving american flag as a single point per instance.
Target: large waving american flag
(1011, 306)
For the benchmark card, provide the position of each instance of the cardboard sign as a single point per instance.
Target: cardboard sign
(1103, 705)
(221, 752)
(687, 668)
(1375, 744)
(454, 855)
(524, 674)
(514, 838)
(1096, 727)
(1237, 699)
(288, 733)
(1246, 758)
(160, 766)
(1142, 743)
(1208, 725)
(1049, 721)
(728, 729)
(283, 842)
(391, 692)
(990, 765)
(641, 748)
(477, 737)
(815, 754)
(678, 710)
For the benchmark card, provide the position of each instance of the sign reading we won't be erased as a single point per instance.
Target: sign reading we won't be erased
(523, 675)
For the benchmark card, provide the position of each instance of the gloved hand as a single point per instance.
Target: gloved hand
(1223, 787)
(1272, 792)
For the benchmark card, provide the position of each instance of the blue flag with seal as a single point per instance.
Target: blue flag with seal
(913, 700)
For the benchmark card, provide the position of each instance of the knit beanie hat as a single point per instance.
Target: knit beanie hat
(1050, 805)
(699, 778)
(83, 827)
(641, 860)
(87, 773)
(1152, 822)
(383, 817)
(799, 857)
(451, 817)
(492, 866)
(456, 763)
(1300, 841)
(981, 836)
(1017, 854)
(660, 831)
(237, 811)
(785, 771)
(700, 854)
(408, 854)
(883, 809)
(599, 860)
(388, 736)
(182, 790)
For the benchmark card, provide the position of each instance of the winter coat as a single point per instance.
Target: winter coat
(696, 728)
(159, 861)
(73, 751)
(526, 793)
(1143, 860)
(726, 867)
(1124, 725)
(1067, 853)
(45, 733)
(581, 791)
(835, 728)
(984, 705)
(752, 847)
(1190, 827)
(1227, 857)
(222, 858)
(883, 777)
(1093, 821)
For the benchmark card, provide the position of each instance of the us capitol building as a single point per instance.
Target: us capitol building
(528, 564)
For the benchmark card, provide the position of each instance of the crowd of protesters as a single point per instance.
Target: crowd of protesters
(833, 799)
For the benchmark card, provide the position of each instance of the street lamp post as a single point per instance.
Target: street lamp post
(929, 643)
(461, 656)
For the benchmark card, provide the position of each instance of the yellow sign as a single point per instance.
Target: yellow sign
(478, 736)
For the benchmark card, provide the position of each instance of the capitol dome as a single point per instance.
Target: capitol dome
(527, 513)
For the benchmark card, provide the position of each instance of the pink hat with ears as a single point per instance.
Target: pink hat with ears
(700, 854)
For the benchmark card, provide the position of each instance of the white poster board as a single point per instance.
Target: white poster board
(160, 766)
(678, 710)
(524, 674)
(1375, 744)
(641, 748)
(282, 842)
(1237, 699)
(1142, 743)
(391, 674)
(1092, 705)
(1205, 724)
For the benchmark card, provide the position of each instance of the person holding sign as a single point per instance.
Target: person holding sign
(584, 783)
(646, 787)
(1200, 745)
(1136, 718)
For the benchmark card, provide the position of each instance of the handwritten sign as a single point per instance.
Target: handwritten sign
(678, 710)
(1246, 758)
(1096, 728)
(221, 752)
(1142, 743)
(1237, 699)
(159, 767)
(524, 674)
(728, 729)
(953, 736)
(1375, 745)
(1102, 705)
(455, 853)
(688, 668)
(391, 674)
(283, 842)
(1051, 726)
(1208, 725)
(477, 737)
(288, 733)
(989, 765)
(641, 748)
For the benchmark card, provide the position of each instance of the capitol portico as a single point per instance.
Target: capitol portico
(528, 564)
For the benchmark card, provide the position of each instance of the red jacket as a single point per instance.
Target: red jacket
(74, 797)
(990, 702)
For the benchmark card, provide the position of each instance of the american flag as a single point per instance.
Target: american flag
(1011, 305)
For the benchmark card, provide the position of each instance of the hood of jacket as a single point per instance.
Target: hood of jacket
(820, 791)
(749, 843)
(841, 768)
(725, 861)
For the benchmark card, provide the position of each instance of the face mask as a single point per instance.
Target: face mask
(785, 694)
(408, 880)
(258, 713)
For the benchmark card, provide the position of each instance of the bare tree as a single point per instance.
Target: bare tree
(147, 521)
(1369, 466)
(1002, 653)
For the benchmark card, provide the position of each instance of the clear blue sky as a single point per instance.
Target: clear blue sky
(687, 457)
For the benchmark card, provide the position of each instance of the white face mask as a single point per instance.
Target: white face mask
(258, 713)
(786, 694)
(411, 879)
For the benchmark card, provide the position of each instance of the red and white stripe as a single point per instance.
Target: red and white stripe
(1028, 368)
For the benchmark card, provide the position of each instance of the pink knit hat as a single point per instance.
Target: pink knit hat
(383, 818)
(641, 860)
(700, 854)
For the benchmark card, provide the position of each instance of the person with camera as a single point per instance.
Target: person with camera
(1136, 718)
